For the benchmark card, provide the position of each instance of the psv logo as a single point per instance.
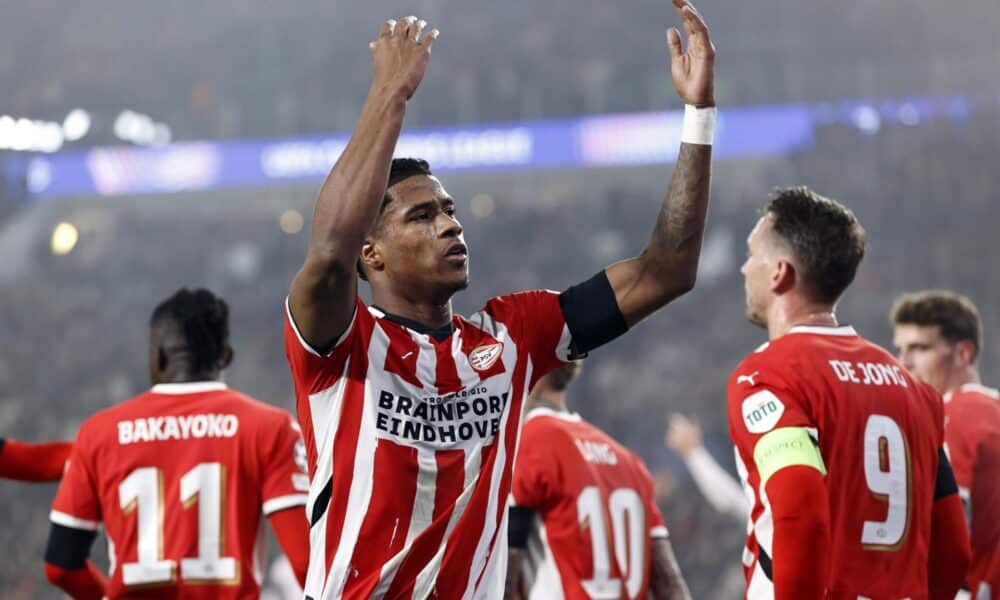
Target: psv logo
(483, 357)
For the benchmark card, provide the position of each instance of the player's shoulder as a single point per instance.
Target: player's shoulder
(520, 304)
(541, 421)
(974, 401)
(769, 366)
(265, 415)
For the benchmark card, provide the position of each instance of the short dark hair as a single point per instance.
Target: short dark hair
(402, 168)
(202, 318)
(955, 314)
(826, 238)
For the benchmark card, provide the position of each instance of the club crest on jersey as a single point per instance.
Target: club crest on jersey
(483, 357)
(761, 411)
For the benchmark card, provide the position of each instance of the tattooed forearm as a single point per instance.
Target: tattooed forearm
(677, 237)
(668, 266)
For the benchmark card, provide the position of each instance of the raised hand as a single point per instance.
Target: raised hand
(400, 54)
(693, 71)
(683, 434)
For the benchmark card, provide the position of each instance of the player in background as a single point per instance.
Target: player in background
(841, 446)
(583, 520)
(721, 490)
(33, 462)
(938, 336)
(411, 414)
(180, 475)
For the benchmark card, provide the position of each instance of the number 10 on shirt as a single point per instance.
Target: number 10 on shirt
(628, 526)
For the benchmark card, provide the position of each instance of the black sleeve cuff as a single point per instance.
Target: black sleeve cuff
(946, 484)
(520, 522)
(592, 314)
(69, 547)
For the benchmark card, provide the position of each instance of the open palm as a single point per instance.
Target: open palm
(693, 70)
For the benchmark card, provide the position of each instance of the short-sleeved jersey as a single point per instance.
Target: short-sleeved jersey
(411, 442)
(972, 437)
(596, 510)
(181, 476)
(879, 432)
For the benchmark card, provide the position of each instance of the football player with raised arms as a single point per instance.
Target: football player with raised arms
(938, 335)
(411, 414)
(181, 475)
(840, 445)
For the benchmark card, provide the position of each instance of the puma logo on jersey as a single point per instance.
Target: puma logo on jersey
(484, 357)
(744, 378)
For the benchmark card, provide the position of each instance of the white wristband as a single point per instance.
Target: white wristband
(699, 125)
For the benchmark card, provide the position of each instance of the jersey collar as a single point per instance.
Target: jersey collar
(545, 411)
(843, 330)
(975, 387)
(189, 387)
(439, 334)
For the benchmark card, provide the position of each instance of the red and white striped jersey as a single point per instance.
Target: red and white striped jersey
(596, 509)
(410, 443)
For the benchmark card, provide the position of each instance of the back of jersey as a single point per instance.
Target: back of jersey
(180, 476)
(879, 432)
(594, 500)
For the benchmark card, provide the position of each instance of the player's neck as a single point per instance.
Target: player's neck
(555, 401)
(964, 377)
(185, 375)
(788, 314)
(433, 314)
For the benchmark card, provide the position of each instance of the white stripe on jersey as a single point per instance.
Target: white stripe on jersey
(760, 587)
(420, 519)
(324, 410)
(362, 479)
(426, 357)
(283, 502)
(428, 576)
(490, 526)
(66, 520)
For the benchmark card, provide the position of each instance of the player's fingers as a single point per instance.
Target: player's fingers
(387, 28)
(674, 43)
(417, 29)
(693, 23)
(405, 27)
(429, 39)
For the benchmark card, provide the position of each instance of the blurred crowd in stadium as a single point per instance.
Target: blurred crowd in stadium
(75, 325)
(229, 69)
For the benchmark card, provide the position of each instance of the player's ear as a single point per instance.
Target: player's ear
(371, 256)
(783, 276)
(965, 353)
(227, 357)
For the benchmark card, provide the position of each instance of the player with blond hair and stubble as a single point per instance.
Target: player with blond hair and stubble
(840, 445)
(938, 335)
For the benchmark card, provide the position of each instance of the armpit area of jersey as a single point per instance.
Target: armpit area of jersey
(68, 547)
(592, 314)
